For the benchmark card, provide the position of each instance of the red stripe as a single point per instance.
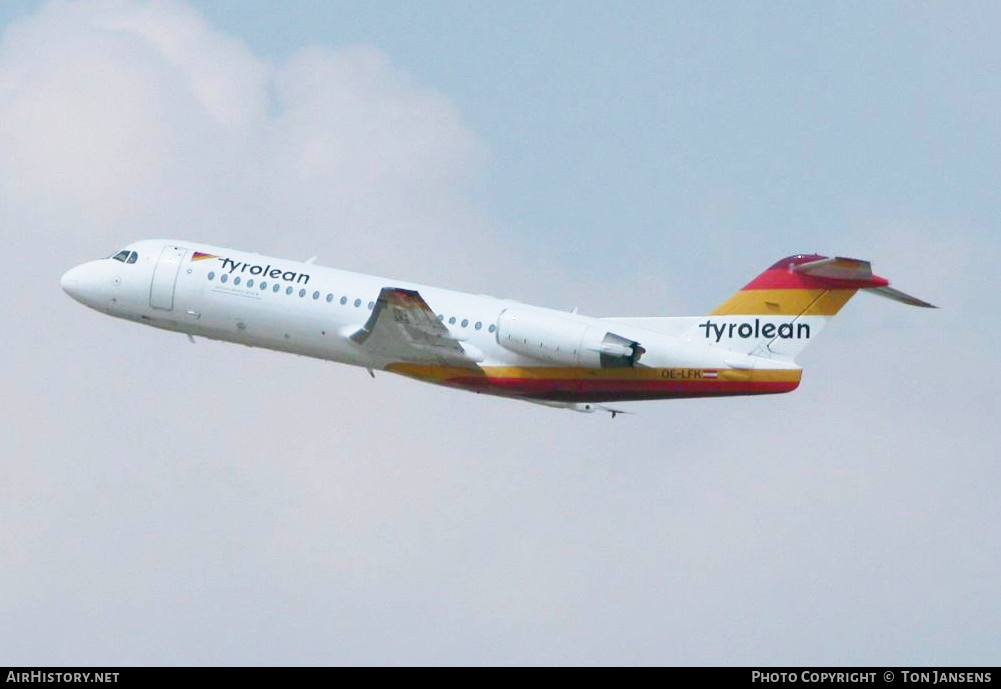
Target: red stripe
(564, 390)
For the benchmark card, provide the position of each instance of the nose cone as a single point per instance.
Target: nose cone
(72, 282)
(87, 283)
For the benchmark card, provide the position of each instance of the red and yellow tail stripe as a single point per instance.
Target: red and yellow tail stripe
(783, 291)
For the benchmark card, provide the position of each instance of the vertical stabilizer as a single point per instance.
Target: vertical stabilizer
(783, 309)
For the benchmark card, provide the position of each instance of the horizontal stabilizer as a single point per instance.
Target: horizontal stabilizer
(897, 295)
(849, 270)
(859, 274)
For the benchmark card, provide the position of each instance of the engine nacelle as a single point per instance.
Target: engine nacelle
(570, 341)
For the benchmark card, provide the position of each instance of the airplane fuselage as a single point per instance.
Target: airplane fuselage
(479, 343)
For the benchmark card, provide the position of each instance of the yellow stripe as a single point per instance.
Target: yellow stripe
(442, 374)
(784, 302)
(830, 303)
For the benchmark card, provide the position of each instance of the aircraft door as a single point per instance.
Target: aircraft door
(161, 289)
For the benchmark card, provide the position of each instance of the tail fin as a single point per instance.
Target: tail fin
(782, 310)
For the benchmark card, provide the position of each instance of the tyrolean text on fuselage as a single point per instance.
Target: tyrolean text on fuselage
(232, 266)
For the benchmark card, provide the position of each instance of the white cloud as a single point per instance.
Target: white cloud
(121, 120)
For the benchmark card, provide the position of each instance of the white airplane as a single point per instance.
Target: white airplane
(745, 346)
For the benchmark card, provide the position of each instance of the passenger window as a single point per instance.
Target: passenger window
(211, 275)
(330, 298)
(316, 295)
(344, 300)
(236, 280)
(276, 287)
(133, 257)
(478, 325)
(465, 322)
(250, 282)
(264, 285)
(441, 317)
(492, 327)
(302, 293)
(288, 290)
(451, 321)
(223, 277)
(357, 303)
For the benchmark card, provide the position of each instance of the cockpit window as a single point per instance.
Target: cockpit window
(133, 257)
(121, 256)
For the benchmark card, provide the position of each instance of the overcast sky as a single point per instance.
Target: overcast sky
(169, 503)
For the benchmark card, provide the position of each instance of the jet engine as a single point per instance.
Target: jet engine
(570, 341)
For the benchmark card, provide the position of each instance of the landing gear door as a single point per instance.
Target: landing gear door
(161, 289)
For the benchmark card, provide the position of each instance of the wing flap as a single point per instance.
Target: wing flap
(403, 327)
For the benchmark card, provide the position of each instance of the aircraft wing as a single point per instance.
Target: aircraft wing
(403, 327)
